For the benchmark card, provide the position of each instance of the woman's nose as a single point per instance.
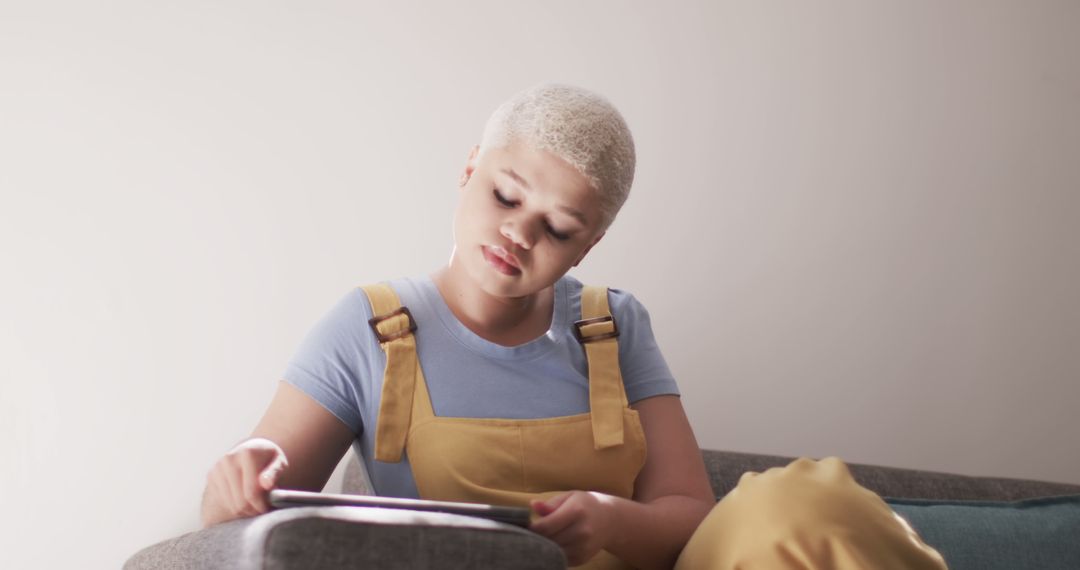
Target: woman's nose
(517, 233)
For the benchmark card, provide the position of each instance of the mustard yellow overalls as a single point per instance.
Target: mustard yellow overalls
(807, 515)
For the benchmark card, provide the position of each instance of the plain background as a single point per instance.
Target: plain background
(854, 223)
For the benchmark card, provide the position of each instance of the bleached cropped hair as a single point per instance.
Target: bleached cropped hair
(577, 125)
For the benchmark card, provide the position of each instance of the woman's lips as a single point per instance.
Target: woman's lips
(498, 262)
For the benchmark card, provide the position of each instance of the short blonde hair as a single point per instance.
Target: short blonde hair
(577, 125)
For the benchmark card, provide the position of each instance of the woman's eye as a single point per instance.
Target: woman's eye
(503, 201)
(510, 204)
(557, 234)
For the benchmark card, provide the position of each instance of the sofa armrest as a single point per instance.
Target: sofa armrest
(353, 537)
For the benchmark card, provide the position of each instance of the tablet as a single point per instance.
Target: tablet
(282, 498)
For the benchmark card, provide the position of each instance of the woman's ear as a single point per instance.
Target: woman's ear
(584, 253)
(470, 166)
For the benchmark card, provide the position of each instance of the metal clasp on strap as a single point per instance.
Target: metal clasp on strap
(374, 322)
(593, 338)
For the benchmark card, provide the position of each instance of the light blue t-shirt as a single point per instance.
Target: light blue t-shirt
(340, 365)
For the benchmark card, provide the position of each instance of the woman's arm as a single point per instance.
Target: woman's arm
(672, 495)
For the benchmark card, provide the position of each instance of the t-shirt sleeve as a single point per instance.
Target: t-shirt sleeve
(331, 359)
(645, 371)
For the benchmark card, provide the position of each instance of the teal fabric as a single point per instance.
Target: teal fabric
(1040, 533)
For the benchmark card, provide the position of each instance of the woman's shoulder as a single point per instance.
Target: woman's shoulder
(622, 302)
(405, 288)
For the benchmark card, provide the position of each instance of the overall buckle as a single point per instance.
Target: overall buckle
(586, 339)
(374, 322)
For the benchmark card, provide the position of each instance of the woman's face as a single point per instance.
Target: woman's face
(524, 218)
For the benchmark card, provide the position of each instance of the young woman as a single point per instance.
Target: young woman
(508, 381)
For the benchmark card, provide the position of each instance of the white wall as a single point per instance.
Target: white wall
(854, 223)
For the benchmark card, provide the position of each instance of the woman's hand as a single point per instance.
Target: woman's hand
(580, 522)
(239, 483)
(296, 445)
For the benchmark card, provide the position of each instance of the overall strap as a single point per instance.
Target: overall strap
(597, 332)
(394, 327)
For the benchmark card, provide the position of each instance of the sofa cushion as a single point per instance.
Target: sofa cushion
(725, 468)
(988, 535)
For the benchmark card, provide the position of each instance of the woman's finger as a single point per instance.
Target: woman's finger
(575, 542)
(564, 514)
(254, 494)
(218, 488)
(268, 477)
(568, 536)
(551, 504)
(232, 474)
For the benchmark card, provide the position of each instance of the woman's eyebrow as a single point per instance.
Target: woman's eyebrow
(517, 178)
(574, 214)
(525, 186)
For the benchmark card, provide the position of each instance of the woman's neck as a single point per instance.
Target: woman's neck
(508, 321)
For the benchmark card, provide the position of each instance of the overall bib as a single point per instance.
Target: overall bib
(506, 461)
(808, 515)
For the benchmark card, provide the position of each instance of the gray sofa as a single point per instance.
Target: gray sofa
(345, 537)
